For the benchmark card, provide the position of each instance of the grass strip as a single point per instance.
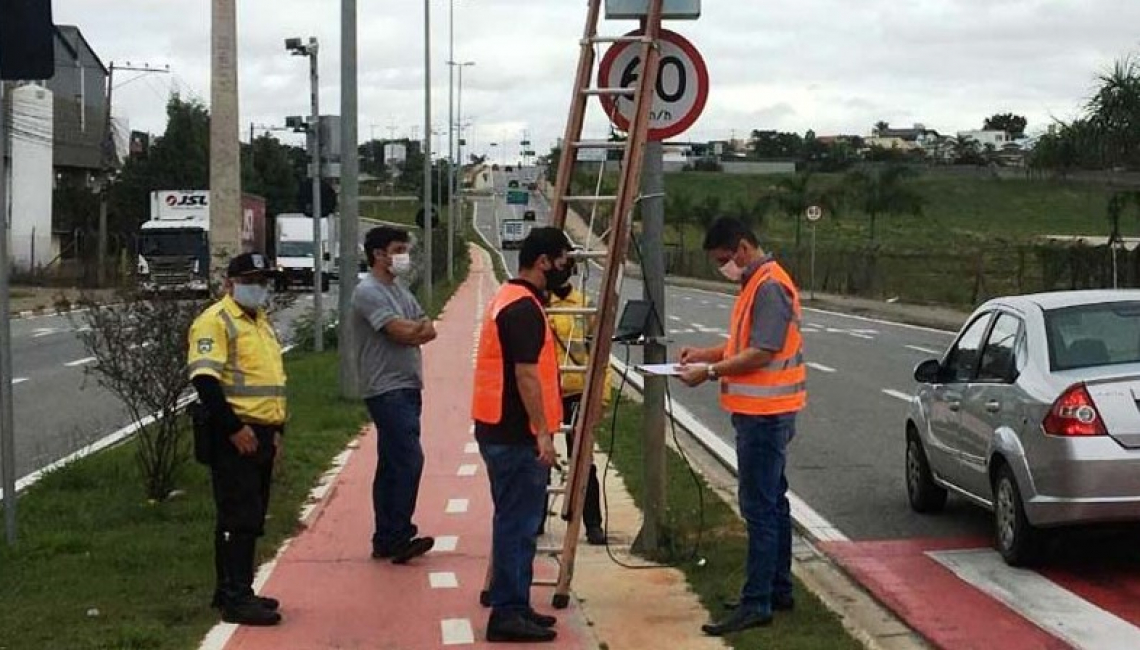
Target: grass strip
(724, 545)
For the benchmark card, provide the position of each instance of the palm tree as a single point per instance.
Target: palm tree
(884, 191)
(1114, 113)
(881, 127)
(795, 194)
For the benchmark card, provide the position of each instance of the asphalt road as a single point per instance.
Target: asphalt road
(59, 407)
(847, 459)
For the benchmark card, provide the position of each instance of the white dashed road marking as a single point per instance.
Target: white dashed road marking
(19, 380)
(467, 470)
(471, 448)
(919, 348)
(820, 367)
(897, 394)
(443, 580)
(457, 506)
(80, 362)
(457, 631)
(445, 544)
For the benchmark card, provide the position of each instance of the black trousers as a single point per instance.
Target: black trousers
(592, 508)
(241, 498)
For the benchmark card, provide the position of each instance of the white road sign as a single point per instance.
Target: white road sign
(682, 85)
(814, 213)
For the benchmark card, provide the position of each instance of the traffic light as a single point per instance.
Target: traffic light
(328, 198)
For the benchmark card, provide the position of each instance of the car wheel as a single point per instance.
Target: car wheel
(1017, 539)
(925, 495)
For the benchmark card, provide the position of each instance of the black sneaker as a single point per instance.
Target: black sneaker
(411, 549)
(249, 611)
(517, 629)
(272, 604)
(595, 536)
(738, 621)
(541, 620)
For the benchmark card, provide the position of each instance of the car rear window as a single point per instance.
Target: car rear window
(1093, 335)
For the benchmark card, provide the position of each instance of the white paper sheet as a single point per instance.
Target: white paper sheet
(667, 369)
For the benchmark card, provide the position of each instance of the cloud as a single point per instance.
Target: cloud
(834, 66)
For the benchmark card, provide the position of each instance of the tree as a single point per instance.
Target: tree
(881, 127)
(793, 195)
(966, 151)
(774, 144)
(1114, 114)
(1013, 125)
(884, 191)
(269, 171)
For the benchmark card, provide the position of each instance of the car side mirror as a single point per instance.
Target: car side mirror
(928, 372)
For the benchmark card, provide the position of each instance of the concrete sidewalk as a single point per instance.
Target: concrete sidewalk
(335, 596)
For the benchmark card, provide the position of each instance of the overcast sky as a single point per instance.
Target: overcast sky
(835, 66)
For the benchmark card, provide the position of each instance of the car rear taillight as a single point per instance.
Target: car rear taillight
(1074, 415)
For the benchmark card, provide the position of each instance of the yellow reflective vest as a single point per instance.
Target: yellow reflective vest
(570, 334)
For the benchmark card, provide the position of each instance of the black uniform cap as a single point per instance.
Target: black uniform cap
(248, 264)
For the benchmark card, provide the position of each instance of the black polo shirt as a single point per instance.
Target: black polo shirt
(522, 332)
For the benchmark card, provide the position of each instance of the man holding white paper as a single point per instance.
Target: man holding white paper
(762, 384)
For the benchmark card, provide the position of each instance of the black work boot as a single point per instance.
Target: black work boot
(517, 629)
(238, 603)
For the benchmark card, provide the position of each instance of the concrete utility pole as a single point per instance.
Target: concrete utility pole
(654, 420)
(225, 155)
(7, 424)
(349, 196)
(452, 158)
(318, 238)
(429, 231)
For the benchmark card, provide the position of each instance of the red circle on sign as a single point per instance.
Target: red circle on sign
(609, 102)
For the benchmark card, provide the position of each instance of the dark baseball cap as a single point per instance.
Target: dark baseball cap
(248, 264)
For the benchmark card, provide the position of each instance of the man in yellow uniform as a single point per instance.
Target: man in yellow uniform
(236, 367)
(573, 349)
(762, 384)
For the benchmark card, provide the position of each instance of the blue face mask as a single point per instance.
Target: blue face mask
(251, 296)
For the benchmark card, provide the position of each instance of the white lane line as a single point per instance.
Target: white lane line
(810, 330)
(722, 306)
(80, 362)
(861, 336)
(19, 380)
(471, 448)
(897, 394)
(457, 506)
(443, 580)
(445, 544)
(40, 333)
(467, 470)
(1046, 604)
(919, 348)
(816, 526)
(820, 367)
(457, 631)
(675, 318)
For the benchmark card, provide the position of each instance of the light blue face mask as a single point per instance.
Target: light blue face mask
(251, 296)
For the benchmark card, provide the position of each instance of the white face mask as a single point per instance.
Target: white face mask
(251, 296)
(401, 263)
(732, 271)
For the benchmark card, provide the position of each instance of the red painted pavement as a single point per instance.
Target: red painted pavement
(1111, 583)
(335, 596)
(946, 610)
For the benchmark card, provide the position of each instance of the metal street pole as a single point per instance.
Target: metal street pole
(813, 261)
(653, 273)
(349, 197)
(456, 185)
(225, 158)
(7, 424)
(428, 230)
(318, 239)
(451, 143)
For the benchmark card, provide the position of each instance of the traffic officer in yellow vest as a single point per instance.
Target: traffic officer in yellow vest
(762, 384)
(517, 408)
(573, 349)
(236, 367)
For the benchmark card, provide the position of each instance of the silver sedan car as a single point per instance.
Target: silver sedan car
(1034, 413)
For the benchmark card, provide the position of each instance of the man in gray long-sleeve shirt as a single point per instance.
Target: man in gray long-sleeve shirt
(391, 326)
(762, 381)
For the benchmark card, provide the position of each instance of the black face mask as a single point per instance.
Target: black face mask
(555, 278)
(563, 291)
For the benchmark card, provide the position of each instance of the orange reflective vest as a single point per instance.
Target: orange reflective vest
(487, 404)
(779, 387)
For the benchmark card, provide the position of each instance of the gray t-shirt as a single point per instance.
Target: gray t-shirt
(772, 312)
(383, 364)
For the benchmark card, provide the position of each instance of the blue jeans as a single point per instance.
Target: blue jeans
(761, 444)
(399, 465)
(518, 489)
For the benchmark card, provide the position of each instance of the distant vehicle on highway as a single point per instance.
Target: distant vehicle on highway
(1033, 413)
(510, 169)
(512, 183)
(533, 187)
(512, 232)
(494, 168)
(528, 215)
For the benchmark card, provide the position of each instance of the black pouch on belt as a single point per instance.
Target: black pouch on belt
(203, 433)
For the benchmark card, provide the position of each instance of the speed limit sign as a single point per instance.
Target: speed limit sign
(814, 213)
(682, 85)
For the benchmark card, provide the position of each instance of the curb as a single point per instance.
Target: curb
(43, 313)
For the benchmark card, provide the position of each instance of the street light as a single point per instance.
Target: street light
(453, 177)
(298, 48)
(428, 230)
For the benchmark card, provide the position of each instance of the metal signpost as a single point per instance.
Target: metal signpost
(681, 93)
(814, 213)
